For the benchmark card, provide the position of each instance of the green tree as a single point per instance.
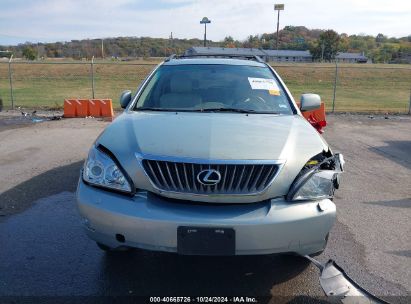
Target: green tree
(29, 53)
(252, 42)
(380, 38)
(387, 52)
(326, 46)
(229, 42)
(344, 43)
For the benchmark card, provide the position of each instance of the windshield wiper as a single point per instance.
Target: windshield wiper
(160, 109)
(234, 110)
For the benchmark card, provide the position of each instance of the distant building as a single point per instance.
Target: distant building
(267, 55)
(287, 56)
(224, 51)
(403, 58)
(273, 55)
(5, 55)
(351, 57)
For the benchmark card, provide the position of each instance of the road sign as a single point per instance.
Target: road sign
(205, 20)
(278, 7)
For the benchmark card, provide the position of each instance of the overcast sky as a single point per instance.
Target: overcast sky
(64, 20)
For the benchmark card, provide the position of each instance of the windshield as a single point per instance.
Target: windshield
(228, 88)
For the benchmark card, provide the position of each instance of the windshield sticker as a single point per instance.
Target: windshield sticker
(274, 92)
(264, 84)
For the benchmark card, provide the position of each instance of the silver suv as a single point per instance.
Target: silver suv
(211, 157)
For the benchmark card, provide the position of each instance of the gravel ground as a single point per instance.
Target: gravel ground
(40, 163)
(374, 202)
(30, 149)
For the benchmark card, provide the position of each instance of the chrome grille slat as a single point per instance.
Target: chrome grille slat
(215, 188)
(230, 187)
(266, 178)
(236, 178)
(194, 178)
(153, 172)
(246, 185)
(240, 178)
(186, 177)
(178, 177)
(224, 178)
(256, 177)
(198, 169)
(162, 175)
(170, 176)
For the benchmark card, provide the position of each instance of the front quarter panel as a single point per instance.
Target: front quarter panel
(120, 138)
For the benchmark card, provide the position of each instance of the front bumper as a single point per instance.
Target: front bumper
(150, 222)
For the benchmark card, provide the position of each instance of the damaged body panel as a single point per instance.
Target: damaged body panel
(338, 285)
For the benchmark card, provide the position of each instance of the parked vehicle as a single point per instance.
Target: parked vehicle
(211, 156)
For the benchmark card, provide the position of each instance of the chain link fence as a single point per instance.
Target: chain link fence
(352, 88)
(344, 88)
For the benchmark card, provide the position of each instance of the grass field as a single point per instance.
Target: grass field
(360, 88)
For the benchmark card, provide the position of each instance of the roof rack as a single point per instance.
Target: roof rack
(172, 56)
(239, 56)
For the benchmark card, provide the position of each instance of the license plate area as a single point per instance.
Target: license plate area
(205, 241)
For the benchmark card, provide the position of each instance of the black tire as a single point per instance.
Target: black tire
(104, 247)
(109, 249)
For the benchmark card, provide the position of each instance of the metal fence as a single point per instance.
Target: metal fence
(344, 88)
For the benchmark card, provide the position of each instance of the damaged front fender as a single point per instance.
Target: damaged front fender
(318, 179)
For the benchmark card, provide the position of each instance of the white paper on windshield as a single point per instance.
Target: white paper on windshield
(264, 84)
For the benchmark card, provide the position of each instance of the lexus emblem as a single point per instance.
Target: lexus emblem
(209, 177)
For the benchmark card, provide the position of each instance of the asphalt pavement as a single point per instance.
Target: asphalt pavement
(44, 251)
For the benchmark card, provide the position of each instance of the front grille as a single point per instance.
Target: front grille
(235, 178)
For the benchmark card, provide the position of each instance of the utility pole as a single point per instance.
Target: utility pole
(278, 8)
(204, 21)
(92, 76)
(102, 48)
(11, 83)
(409, 107)
(322, 52)
(171, 43)
(335, 84)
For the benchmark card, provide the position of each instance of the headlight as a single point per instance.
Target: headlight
(318, 183)
(101, 170)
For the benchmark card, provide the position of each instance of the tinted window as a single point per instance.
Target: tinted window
(206, 87)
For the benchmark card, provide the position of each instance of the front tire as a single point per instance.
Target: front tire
(108, 249)
(104, 247)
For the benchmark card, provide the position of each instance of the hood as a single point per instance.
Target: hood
(210, 135)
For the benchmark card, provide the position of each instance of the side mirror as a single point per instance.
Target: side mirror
(310, 102)
(125, 98)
